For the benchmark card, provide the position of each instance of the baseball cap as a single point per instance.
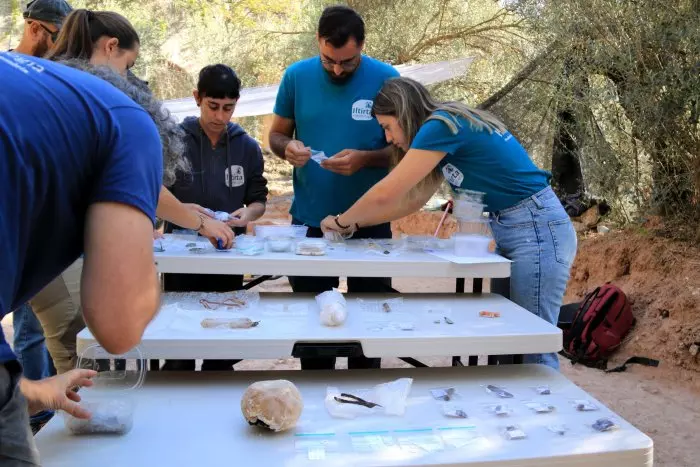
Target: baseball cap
(49, 11)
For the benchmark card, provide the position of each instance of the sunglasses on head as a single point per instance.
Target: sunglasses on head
(53, 34)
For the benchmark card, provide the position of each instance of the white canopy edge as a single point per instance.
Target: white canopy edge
(260, 100)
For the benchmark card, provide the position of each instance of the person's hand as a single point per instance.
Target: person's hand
(346, 162)
(201, 210)
(57, 392)
(239, 218)
(215, 230)
(297, 154)
(157, 234)
(329, 225)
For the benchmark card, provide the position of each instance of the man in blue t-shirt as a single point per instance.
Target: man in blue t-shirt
(324, 105)
(82, 167)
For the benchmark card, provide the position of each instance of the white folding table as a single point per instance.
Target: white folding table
(350, 261)
(289, 324)
(194, 419)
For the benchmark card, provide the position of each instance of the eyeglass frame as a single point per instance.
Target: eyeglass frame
(347, 64)
(52, 34)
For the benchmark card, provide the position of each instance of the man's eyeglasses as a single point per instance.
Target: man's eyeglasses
(347, 65)
(53, 34)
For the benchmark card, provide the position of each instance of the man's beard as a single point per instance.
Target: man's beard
(41, 48)
(342, 79)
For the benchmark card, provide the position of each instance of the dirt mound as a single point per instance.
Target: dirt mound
(662, 280)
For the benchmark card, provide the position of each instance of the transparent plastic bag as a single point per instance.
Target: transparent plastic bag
(381, 306)
(334, 310)
(384, 399)
(220, 301)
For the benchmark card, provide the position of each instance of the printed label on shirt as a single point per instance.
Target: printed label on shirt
(453, 175)
(362, 110)
(21, 62)
(237, 179)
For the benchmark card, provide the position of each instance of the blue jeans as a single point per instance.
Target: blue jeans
(538, 236)
(30, 349)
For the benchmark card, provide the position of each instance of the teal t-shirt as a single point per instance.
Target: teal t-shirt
(331, 117)
(493, 163)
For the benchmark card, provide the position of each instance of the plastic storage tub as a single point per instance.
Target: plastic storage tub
(295, 231)
(279, 244)
(250, 245)
(311, 247)
(471, 245)
(110, 400)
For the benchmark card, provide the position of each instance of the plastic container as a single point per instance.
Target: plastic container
(461, 194)
(420, 242)
(249, 245)
(295, 231)
(471, 245)
(311, 247)
(468, 210)
(279, 244)
(476, 227)
(110, 400)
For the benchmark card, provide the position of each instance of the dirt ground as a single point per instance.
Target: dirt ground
(661, 278)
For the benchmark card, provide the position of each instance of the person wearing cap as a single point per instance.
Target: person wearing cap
(42, 23)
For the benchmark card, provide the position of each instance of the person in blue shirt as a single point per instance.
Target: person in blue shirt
(42, 24)
(324, 104)
(473, 150)
(82, 169)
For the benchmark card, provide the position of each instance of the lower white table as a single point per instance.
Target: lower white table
(194, 419)
(289, 326)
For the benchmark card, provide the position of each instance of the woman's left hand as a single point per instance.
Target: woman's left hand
(238, 218)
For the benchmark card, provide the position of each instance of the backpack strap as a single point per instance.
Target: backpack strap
(632, 360)
(577, 325)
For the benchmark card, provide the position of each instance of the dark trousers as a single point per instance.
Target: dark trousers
(17, 448)
(201, 283)
(304, 284)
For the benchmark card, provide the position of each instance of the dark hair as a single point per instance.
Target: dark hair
(218, 82)
(83, 28)
(339, 23)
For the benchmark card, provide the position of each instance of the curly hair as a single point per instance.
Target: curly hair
(171, 134)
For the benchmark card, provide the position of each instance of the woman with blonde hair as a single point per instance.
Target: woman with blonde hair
(472, 150)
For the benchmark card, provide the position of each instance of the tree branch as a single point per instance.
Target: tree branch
(519, 77)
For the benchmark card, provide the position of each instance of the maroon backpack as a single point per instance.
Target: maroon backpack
(599, 326)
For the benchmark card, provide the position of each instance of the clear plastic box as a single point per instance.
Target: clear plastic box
(110, 399)
(461, 194)
(471, 245)
(294, 231)
(249, 245)
(311, 247)
(279, 244)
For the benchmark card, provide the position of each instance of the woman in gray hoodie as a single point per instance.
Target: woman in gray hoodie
(226, 175)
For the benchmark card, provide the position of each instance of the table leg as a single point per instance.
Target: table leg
(413, 362)
(258, 280)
